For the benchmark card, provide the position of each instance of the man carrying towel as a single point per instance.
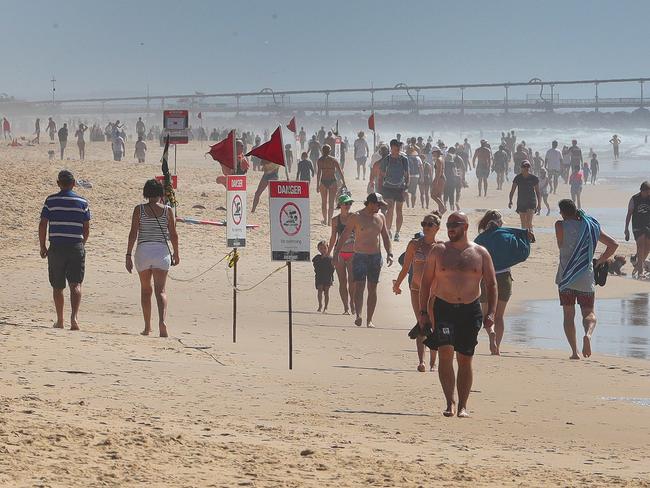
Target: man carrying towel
(577, 235)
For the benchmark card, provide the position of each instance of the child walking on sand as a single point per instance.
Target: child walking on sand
(544, 188)
(324, 271)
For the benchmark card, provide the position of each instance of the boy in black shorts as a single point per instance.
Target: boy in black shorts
(324, 271)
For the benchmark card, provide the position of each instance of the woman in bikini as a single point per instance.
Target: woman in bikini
(438, 184)
(343, 264)
(270, 174)
(326, 184)
(415, 257)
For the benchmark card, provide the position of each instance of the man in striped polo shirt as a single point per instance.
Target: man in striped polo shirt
(68, 217)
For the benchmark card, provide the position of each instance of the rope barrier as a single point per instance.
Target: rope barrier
(202, 273)
(256, 284)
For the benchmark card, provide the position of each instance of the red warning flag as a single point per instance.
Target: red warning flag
(272, 150)
(224, 151)
(292, 125)
(371, 122)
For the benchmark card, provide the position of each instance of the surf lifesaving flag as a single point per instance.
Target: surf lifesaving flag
(224, 151)
(272, 150)
(292, 125)
(371, 122)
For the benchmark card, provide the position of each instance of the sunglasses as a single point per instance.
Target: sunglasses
(453, 225)
(428, 224)
(346, 204)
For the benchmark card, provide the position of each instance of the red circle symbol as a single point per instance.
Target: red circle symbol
(237, 210)
(290, 219)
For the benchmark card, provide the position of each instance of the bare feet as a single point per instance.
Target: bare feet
(421, 368)
(318, 309)
(74, 324)
(463, 414)
(346, 312)
(146, 331)
(370, 325)
(163, 330)
(575, 356)
(325, 310)
(358, 321)
(58, 325)
(586, 346)
(451, 410)
(494, 349)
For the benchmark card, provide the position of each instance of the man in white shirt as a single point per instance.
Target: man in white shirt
(553, 164)
(361, 152)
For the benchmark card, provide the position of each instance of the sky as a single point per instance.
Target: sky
(115, 48)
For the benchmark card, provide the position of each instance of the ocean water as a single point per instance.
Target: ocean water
(623, 326)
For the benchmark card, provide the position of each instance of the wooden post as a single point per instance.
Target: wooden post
(234, 296)
(290, 316)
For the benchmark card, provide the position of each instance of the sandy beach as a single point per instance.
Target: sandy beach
(108, 407)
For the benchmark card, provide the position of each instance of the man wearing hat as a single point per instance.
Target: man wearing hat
(394, 180)
(67, 218)
(361, 153)
(369, 226)
(529, 200)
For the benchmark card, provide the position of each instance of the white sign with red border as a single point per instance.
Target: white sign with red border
(337, 148)
(236, 211)
(289, 217)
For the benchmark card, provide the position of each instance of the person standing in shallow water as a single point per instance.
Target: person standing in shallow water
(153, 226)
(577, 235)
(415, 257)
(638, 211)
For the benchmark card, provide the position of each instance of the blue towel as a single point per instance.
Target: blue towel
(584, 251)
(507, 246)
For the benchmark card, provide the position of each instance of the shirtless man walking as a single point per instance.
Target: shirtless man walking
(368, 225)
(326, 184)
(484, 156)
(449, 301)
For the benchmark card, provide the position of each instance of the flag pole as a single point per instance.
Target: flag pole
(284, 154)
(235, 160)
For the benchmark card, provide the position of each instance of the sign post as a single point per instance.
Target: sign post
(235, 231)
(337, 148)
(289, 217)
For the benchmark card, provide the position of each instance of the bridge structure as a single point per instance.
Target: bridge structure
(398, 98)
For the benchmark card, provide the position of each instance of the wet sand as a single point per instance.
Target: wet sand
(107, 407)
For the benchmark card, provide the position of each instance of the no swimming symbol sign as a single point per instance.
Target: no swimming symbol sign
(289, 218)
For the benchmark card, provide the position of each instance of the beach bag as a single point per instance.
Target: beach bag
(394, 173)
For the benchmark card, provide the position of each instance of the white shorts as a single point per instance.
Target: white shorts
(152, 255)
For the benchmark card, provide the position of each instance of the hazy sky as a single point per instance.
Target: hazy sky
(117, 47)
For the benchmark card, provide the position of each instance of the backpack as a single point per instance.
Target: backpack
(394, 173)
(414, 166)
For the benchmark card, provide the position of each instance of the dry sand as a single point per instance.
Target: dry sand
(107, 407)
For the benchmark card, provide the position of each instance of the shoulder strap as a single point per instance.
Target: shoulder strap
(161, 229)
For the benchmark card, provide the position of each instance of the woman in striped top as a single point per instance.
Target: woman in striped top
(154, 226)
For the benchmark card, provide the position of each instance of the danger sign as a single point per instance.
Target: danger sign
(175, 123)
(236, 211)
(289, 217)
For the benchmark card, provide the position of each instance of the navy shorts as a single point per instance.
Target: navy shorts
(457, 325)
(366, 267)
(66, 262)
